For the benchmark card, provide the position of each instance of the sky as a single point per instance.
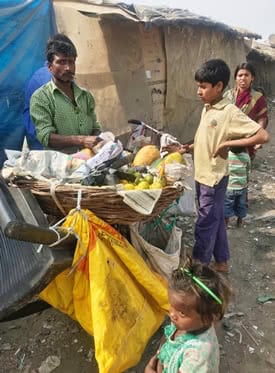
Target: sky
(256, 16)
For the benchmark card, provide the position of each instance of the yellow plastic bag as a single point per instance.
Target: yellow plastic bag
(112, 293)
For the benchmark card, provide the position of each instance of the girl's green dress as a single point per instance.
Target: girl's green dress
(190, 353)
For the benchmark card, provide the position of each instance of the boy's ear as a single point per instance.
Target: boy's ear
(220, 86)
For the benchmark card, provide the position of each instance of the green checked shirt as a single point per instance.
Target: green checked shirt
(53, 112)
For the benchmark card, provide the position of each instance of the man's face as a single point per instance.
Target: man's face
(208, 93)
(63, 67)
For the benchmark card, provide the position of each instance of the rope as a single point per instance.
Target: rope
(53, 195)
(160, 219)
(70, 230)
(79, 196)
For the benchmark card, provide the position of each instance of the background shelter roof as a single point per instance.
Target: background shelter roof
(158, 16)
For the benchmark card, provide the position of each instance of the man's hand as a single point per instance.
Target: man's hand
(172, 148)
(151, 367)
(91, 141)
(222, 151)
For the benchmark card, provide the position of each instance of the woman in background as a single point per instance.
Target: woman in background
(250, 101)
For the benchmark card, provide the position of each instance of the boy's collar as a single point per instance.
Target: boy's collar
(218, 105)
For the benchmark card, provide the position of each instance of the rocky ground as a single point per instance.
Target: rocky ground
(50, 341)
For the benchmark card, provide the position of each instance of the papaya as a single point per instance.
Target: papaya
(146, 155)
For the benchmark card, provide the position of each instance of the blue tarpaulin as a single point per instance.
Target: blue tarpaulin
(25, 26)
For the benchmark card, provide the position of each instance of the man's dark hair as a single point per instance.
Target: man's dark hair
(245, 66)
(213, 71)
(60, 44)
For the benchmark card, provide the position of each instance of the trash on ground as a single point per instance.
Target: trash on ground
(50, 364)
(262, 299)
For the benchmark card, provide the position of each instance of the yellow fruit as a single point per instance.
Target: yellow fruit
(138, 178)
(87, 152)
(160, 180)
(142, 185)
(175, 157)
(146, 155)
(123, 181)
(128, 186)
(156, 185)
(163, 181)
(149, 178)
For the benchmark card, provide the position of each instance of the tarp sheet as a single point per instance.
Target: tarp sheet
(25, 26)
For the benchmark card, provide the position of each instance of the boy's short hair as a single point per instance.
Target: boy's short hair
(60, 44)
(213, 71)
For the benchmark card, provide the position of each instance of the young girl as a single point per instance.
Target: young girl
(198, 296)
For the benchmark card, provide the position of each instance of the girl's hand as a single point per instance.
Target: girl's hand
(151, 367)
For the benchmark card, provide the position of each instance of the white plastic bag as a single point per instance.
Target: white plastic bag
(38, 164)
(162, 261)
(187, 204)
(109, 151)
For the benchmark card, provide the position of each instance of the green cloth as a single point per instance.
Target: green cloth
(190, 353)
(54, 112)
(238, 167)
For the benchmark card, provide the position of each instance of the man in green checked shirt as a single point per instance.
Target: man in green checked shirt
(63, 113)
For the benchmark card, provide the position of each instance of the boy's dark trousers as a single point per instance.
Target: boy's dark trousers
(210, 229)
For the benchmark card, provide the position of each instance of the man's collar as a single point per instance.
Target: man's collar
(52, 85)
(76, 89)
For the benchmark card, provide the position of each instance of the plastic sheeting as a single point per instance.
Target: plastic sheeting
(25, 26)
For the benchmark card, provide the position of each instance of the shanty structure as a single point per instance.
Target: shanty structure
(262, 56)
(139, 61)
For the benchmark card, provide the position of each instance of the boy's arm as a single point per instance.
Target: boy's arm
(260, 137)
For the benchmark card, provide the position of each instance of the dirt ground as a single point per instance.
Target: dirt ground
(246, 335)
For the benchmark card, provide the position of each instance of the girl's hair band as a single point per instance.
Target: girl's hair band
(188, 273)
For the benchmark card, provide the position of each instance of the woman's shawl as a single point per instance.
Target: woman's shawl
(251, 102)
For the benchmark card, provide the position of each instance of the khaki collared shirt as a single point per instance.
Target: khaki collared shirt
(54, 112)
(220, 122)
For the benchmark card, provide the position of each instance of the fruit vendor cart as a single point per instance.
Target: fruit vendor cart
(69, 238)
(25, 268)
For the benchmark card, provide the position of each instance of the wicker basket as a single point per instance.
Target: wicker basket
(105, 202)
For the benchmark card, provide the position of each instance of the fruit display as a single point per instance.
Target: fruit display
(146, 155)
(156, 175)
(144, 181)
(141, 171)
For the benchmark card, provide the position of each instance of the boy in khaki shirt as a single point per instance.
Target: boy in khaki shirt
(222, 126)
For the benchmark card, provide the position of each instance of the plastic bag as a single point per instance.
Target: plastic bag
(112, 293)
(187, 202)
(37, 163)
(164, 249)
